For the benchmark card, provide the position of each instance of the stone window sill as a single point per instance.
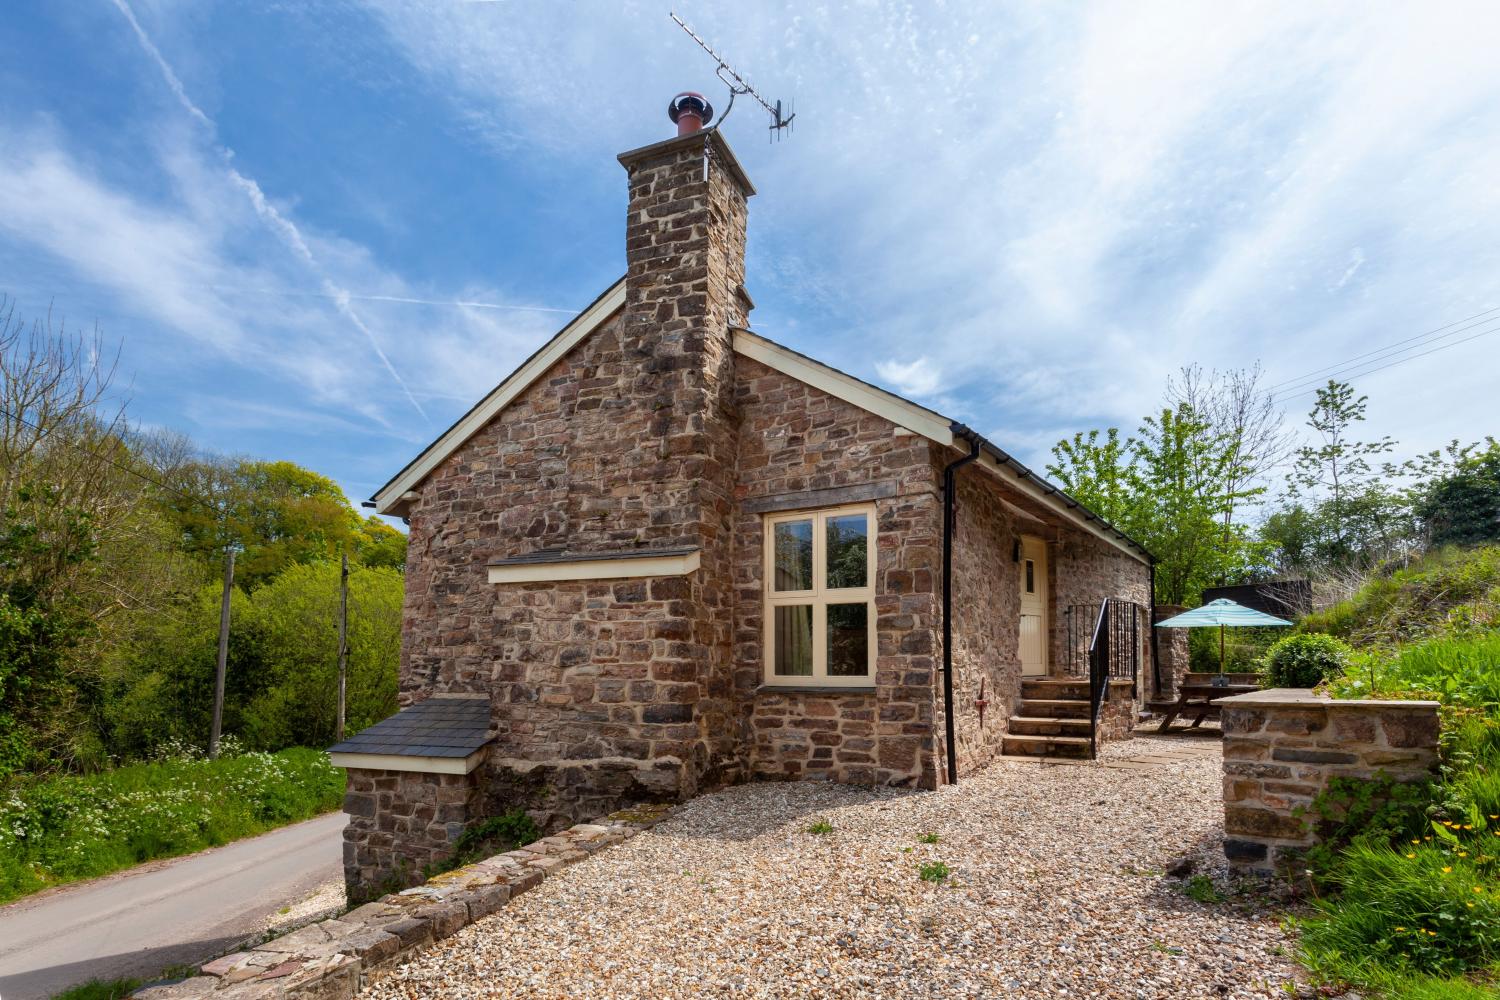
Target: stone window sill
(814, 689)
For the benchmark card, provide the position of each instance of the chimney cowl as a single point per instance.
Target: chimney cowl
(690, 111)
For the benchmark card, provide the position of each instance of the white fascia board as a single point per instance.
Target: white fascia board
(1056, 504)
(597, 569)
(392, 498)
(406, 762)
(901, 412)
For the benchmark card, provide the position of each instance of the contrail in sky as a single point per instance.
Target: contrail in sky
(274, 220)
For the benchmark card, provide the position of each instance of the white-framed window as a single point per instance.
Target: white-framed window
(820, 597)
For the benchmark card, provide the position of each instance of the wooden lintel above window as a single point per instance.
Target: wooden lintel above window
(812, 499)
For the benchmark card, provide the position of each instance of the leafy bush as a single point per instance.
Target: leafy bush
(933, 871)
(66, 828)
(1306, 660)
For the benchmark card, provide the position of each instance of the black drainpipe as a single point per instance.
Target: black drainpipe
(963, 433)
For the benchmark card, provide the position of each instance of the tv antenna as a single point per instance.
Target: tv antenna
(738, 85)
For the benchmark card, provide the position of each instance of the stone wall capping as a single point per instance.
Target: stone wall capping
(1308, 698)
(336, 959)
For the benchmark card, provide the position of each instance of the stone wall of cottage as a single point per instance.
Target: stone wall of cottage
(1281, 749)
(796, 440)
(986, 619)
(1086, 570)
(605, 692)
(399, 822)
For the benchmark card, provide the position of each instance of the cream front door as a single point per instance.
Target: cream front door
(1034, 592)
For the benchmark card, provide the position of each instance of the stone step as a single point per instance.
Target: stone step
(1053, 708)
(1054, 687)
(1073, 747)
(1037, 725)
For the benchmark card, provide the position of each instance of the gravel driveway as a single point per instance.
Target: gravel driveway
(1056, 890)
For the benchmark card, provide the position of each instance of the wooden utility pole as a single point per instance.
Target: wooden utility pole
(343, 641)
(213, 737)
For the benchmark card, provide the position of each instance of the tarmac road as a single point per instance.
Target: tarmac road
(174, 912)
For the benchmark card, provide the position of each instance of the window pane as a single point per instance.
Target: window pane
(848, 544)
(1030, 577)
(794, 555)
(848, 640)
(791, 633)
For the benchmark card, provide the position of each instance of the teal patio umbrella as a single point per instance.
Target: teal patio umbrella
(1222, 612)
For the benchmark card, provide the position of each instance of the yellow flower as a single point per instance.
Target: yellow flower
(1414, 841)
(1463, 854)
(1411, 855)
(1468, 826)
(1479, 888)
(1469, 905)
(1447, 869)
(1400, 928)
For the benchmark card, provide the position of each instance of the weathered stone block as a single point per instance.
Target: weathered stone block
(1300, 756)
(1241, 819)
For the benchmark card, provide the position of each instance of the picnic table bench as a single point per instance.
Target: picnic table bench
(1200, 692)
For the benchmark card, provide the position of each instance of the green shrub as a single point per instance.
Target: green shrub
(933, 871)
(1305, 660)
(72, 827)
(486, 838)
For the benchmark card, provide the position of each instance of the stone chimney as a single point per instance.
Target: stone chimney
(684, 293)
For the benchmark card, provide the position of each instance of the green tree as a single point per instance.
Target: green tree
(1337, 469)
(277, 514)
(1169, 487)
(1462, 505)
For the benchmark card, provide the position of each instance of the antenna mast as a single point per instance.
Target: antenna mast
(738, 85)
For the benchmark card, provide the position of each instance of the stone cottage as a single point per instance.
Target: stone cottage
(668, 553)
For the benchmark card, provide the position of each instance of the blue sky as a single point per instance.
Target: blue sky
(322, 229)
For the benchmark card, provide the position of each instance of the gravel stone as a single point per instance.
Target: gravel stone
(1056, 889)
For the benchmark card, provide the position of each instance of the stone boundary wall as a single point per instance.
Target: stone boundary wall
(335, 959)
(1282, 747)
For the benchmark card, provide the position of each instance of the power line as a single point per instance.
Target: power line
(1391, 347)
(1292, 394)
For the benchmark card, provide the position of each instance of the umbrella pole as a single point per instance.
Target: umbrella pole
(1221, 649)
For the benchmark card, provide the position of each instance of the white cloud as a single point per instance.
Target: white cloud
(1068, 208)
(911, 378)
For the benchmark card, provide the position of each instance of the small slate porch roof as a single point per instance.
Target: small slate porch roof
(440, 727)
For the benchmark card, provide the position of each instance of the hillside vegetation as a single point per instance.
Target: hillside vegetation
(1412, 878)
(1450, 592)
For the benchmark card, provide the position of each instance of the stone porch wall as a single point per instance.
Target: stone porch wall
(400, 821)
(1282, 747)
(1172, 646)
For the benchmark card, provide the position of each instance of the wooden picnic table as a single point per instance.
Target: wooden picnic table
(1199, 692)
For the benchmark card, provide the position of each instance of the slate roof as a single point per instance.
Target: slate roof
(437, 727)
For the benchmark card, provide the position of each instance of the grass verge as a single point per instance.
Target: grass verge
(72, 827)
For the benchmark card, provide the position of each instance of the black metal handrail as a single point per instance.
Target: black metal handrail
(1113, 654)
(1098, 675)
